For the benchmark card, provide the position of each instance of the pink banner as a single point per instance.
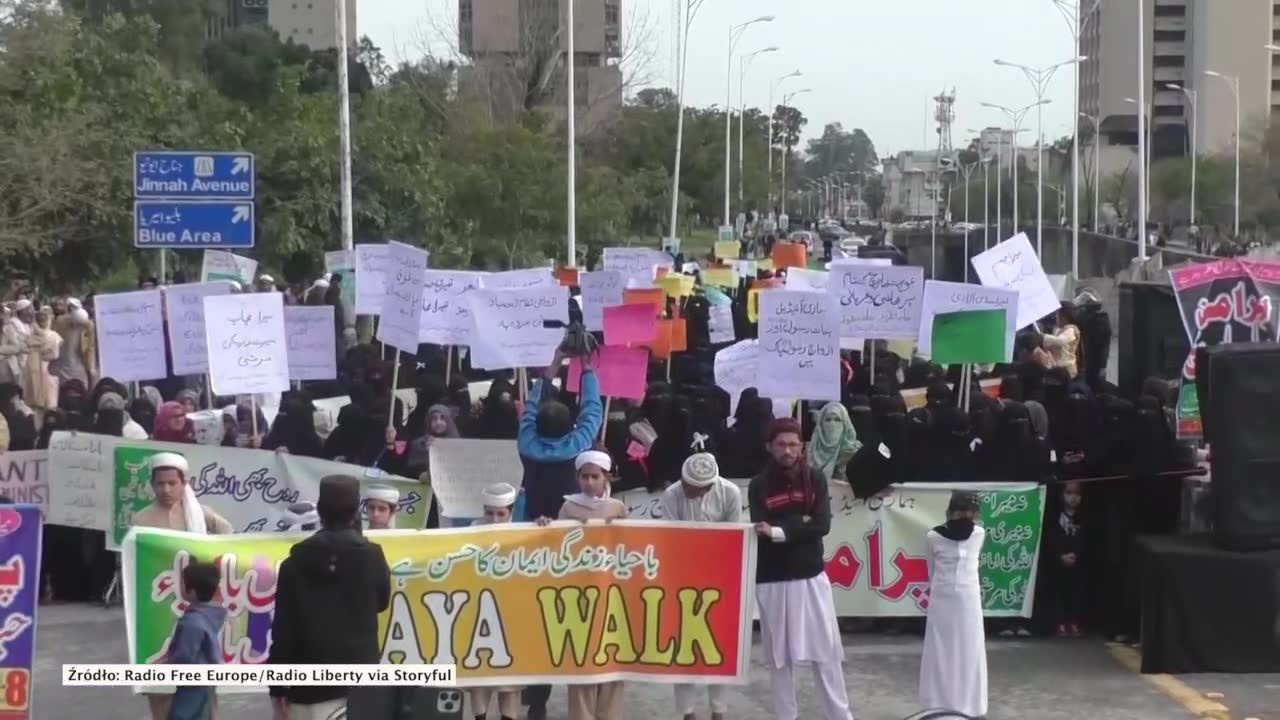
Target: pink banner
(629, 324)
(622, 372)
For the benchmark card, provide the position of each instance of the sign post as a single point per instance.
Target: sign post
(192, 199)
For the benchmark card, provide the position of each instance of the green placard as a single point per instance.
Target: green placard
(969, 336)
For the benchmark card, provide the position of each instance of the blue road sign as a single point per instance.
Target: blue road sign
(193, 175)
(179, 224)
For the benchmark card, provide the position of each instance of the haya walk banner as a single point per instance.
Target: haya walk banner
(876, 552)
(509, 605)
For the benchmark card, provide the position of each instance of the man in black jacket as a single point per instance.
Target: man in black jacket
(329, 593)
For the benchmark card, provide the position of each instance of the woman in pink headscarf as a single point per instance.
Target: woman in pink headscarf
(173, 425)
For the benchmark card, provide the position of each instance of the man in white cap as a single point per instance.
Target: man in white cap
(176, 507)
(499, 501)
(701, 496)
(380, 505)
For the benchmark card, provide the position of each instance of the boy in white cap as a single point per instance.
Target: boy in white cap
(499, 502)
(380, 506)
(701, 496)
(602, 701)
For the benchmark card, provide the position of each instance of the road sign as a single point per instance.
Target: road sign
(189, 224)
(193, 175)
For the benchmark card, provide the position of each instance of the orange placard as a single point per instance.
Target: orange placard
(660, 272)
(661, 345)
(787, 255)
(646, 296)
(568, 277)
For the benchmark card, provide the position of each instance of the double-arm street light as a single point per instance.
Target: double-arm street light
(1016, 117)
(742, 117)
(735, 33)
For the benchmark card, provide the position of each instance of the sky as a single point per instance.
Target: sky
(873, 64)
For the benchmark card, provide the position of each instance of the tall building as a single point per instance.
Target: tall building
(517, 49)
(1183, 39)
(313, 23)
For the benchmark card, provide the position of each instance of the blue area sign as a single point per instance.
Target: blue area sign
(193, 175)
(188, 224)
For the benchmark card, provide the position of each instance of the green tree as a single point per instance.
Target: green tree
(840, 151)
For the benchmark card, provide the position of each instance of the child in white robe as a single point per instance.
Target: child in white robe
(953, 669)
(499, 501)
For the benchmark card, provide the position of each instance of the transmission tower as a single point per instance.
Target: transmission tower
(945, 115)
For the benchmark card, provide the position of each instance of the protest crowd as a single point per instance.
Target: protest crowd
(729, 390)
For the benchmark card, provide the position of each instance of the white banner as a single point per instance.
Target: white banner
(877, 555)
(635, 264)
(1013, 265)
(229, 267)
(600, 290)
(462, 469)
(518, 279)
(131, 335)
(371, 278)
(878, 302)
(24, 477)
(803, 280)
(248, 352)
(509, 326)
(446, 315)
(946, 297)
(799, 346)
(402, 304)
(736, 369)
(309, 333)
(184, 311)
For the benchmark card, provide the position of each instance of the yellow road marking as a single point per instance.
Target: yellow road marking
(1185, 695)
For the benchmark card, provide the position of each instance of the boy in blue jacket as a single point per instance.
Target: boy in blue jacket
(549, 441)
(197, 639)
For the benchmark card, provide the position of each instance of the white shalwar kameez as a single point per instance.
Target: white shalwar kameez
(798, 625)
(953, 670)
(721, 503)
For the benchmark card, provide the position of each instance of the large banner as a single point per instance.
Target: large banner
(509, 605)
(24, 477)
(876, 552)
(19, 594)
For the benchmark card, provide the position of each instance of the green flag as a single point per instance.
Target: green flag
(969, 336)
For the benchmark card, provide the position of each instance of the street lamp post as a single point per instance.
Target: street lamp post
(735, 33)
(786, 102)
(691, 8)
(1193, 96)
(742, 118)
(1039, 78)
(1097, 166)
(1076, 22)
(1146, 158)
(986, 200)
(967, 171)
(1234, 82)
(1016, 117)
(772, 87)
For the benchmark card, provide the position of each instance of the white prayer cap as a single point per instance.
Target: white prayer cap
(169, 460)
(593, 457)
(500, 495)
(265, 278)
(322, 283)
(235, 286)
(74, 303)
(21, 305)
(383, 493)
(79, 314)
(700, 470)
(299, 515)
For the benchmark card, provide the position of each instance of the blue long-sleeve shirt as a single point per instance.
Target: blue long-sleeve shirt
(548, 462)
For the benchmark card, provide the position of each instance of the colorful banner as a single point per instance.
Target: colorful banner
(24, 477)
(250, 488)
(510, 605)
(1221, 302)
(876, 552)
(20, 530)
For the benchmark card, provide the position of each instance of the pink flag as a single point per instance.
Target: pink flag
(629, 324)
(622, 371)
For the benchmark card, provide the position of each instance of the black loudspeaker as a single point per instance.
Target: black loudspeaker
(1151, 338)
(1243, 410)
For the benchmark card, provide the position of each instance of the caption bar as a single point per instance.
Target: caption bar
(86, 675)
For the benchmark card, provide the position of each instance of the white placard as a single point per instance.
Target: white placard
(309, 334)
(803, 280)
(720, 324)
(509, 326)
(875, 301)
(1013, 265)
(736, 370)
(248, 351)
(746, 269)
(858, 261)
(402, 302)
(446, 315)
(339, 260)
(462, 469)
(600, 290)
(518, 279)
(371, 278)
(184, 311)
(81, 472)
(636, 264)
(131, 335)
(799, 346)
(222, 265)
(945, 297)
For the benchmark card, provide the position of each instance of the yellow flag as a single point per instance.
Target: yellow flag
(722, 277)
(675, 285)
(728, 250)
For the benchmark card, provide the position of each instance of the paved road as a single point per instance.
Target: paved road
(1040, 679)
